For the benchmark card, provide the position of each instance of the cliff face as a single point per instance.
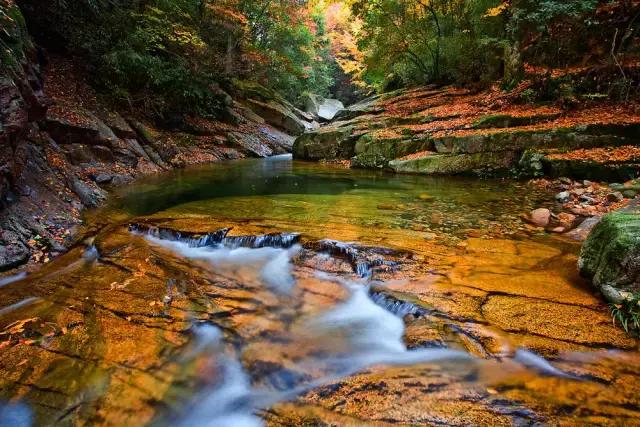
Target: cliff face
(61, 146)
(22, 99)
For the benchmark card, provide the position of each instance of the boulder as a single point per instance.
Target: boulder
(563, 196)
(581, 232)
(329, 108)
(13, 252)
(469, 164)
(311, 103)
(541, 217)
(75, 125)
(89, 196)
(322, 108)
(116, 123)
(610, 256)
(249, 144)
(330, 142)
(79, 154)
(279, 116)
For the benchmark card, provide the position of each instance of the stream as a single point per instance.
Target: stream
(283, 293)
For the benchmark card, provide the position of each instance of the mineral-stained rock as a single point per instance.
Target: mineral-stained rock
(610, 256)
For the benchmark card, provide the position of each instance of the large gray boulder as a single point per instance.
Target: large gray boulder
(329, 108)
(610, 256)
(324, 109)
(279, 116)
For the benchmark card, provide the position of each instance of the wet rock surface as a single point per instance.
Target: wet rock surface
(167, 312)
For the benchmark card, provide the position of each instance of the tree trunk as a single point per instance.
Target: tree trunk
(513, 64)
(229, 58)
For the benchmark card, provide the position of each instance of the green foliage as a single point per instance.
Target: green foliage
(13, 37)
(291, 46)
(430, 41)
(481, 41)
(164, 56)
(627, 314)
(551, 32)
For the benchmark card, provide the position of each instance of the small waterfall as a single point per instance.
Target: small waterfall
(218, 238)
(363, 260)
(229, 402)
(193, 240)
(271, 266)
(91, 254)
(396, 306)
(274, 240)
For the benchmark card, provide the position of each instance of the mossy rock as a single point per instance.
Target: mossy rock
(329, 143)
(508, 121)
(14, 38)
(255, 90)
(374, 152)
(610, 256)
(483, 164)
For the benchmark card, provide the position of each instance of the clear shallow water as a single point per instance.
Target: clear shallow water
(473, 318)
(278, 191)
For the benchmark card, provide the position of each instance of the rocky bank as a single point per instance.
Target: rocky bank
(62, 146)
(457, 131)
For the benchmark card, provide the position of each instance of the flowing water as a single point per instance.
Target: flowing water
(272, 292)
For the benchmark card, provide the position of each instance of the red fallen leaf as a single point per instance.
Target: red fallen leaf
(4, 344)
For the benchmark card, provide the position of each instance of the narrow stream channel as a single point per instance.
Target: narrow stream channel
(274, 292)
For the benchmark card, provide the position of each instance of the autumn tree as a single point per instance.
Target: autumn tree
(427, 40)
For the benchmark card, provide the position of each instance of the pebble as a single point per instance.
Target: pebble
(587, 199)
(386, 206)
(103, 178)
(541, 217)
(426, 197)
(563, 196)
(615, 197)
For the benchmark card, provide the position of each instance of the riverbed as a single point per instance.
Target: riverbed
(277, 292)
